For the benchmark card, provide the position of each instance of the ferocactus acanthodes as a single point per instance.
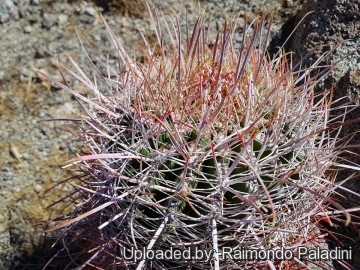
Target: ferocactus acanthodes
(204, 146)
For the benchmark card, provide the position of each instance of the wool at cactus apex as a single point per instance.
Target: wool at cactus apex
(236, 254)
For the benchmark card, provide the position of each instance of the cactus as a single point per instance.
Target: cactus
(200, 147)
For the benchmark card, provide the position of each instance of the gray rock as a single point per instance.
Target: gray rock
(336, 24)
(48, 20)
(28, 29)
(62, 18)
(90, 11)
(8, 11)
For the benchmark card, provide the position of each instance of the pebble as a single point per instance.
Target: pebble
(38, 188)
(28, 29)
(62, 18)
(8, 11)
(96, 37)
(40, 53)
(289, 3)
(90, 11)
(48, 21)
(25, 155)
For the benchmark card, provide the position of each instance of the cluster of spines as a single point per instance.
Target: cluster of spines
(209, 147)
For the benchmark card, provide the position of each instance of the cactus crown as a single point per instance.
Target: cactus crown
(204, 146)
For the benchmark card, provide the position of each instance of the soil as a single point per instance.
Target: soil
(39, 34)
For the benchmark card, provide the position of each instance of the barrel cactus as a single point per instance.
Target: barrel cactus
(201, 150)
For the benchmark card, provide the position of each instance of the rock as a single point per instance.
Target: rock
(62, 19)
(90, 11)
(48, 20)
(28, 29)
(8, 11)
(336, 24)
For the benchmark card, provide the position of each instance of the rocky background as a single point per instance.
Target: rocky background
(39, 34)
(333, 23)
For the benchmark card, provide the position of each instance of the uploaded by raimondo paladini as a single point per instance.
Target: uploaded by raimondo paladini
(236, 254)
